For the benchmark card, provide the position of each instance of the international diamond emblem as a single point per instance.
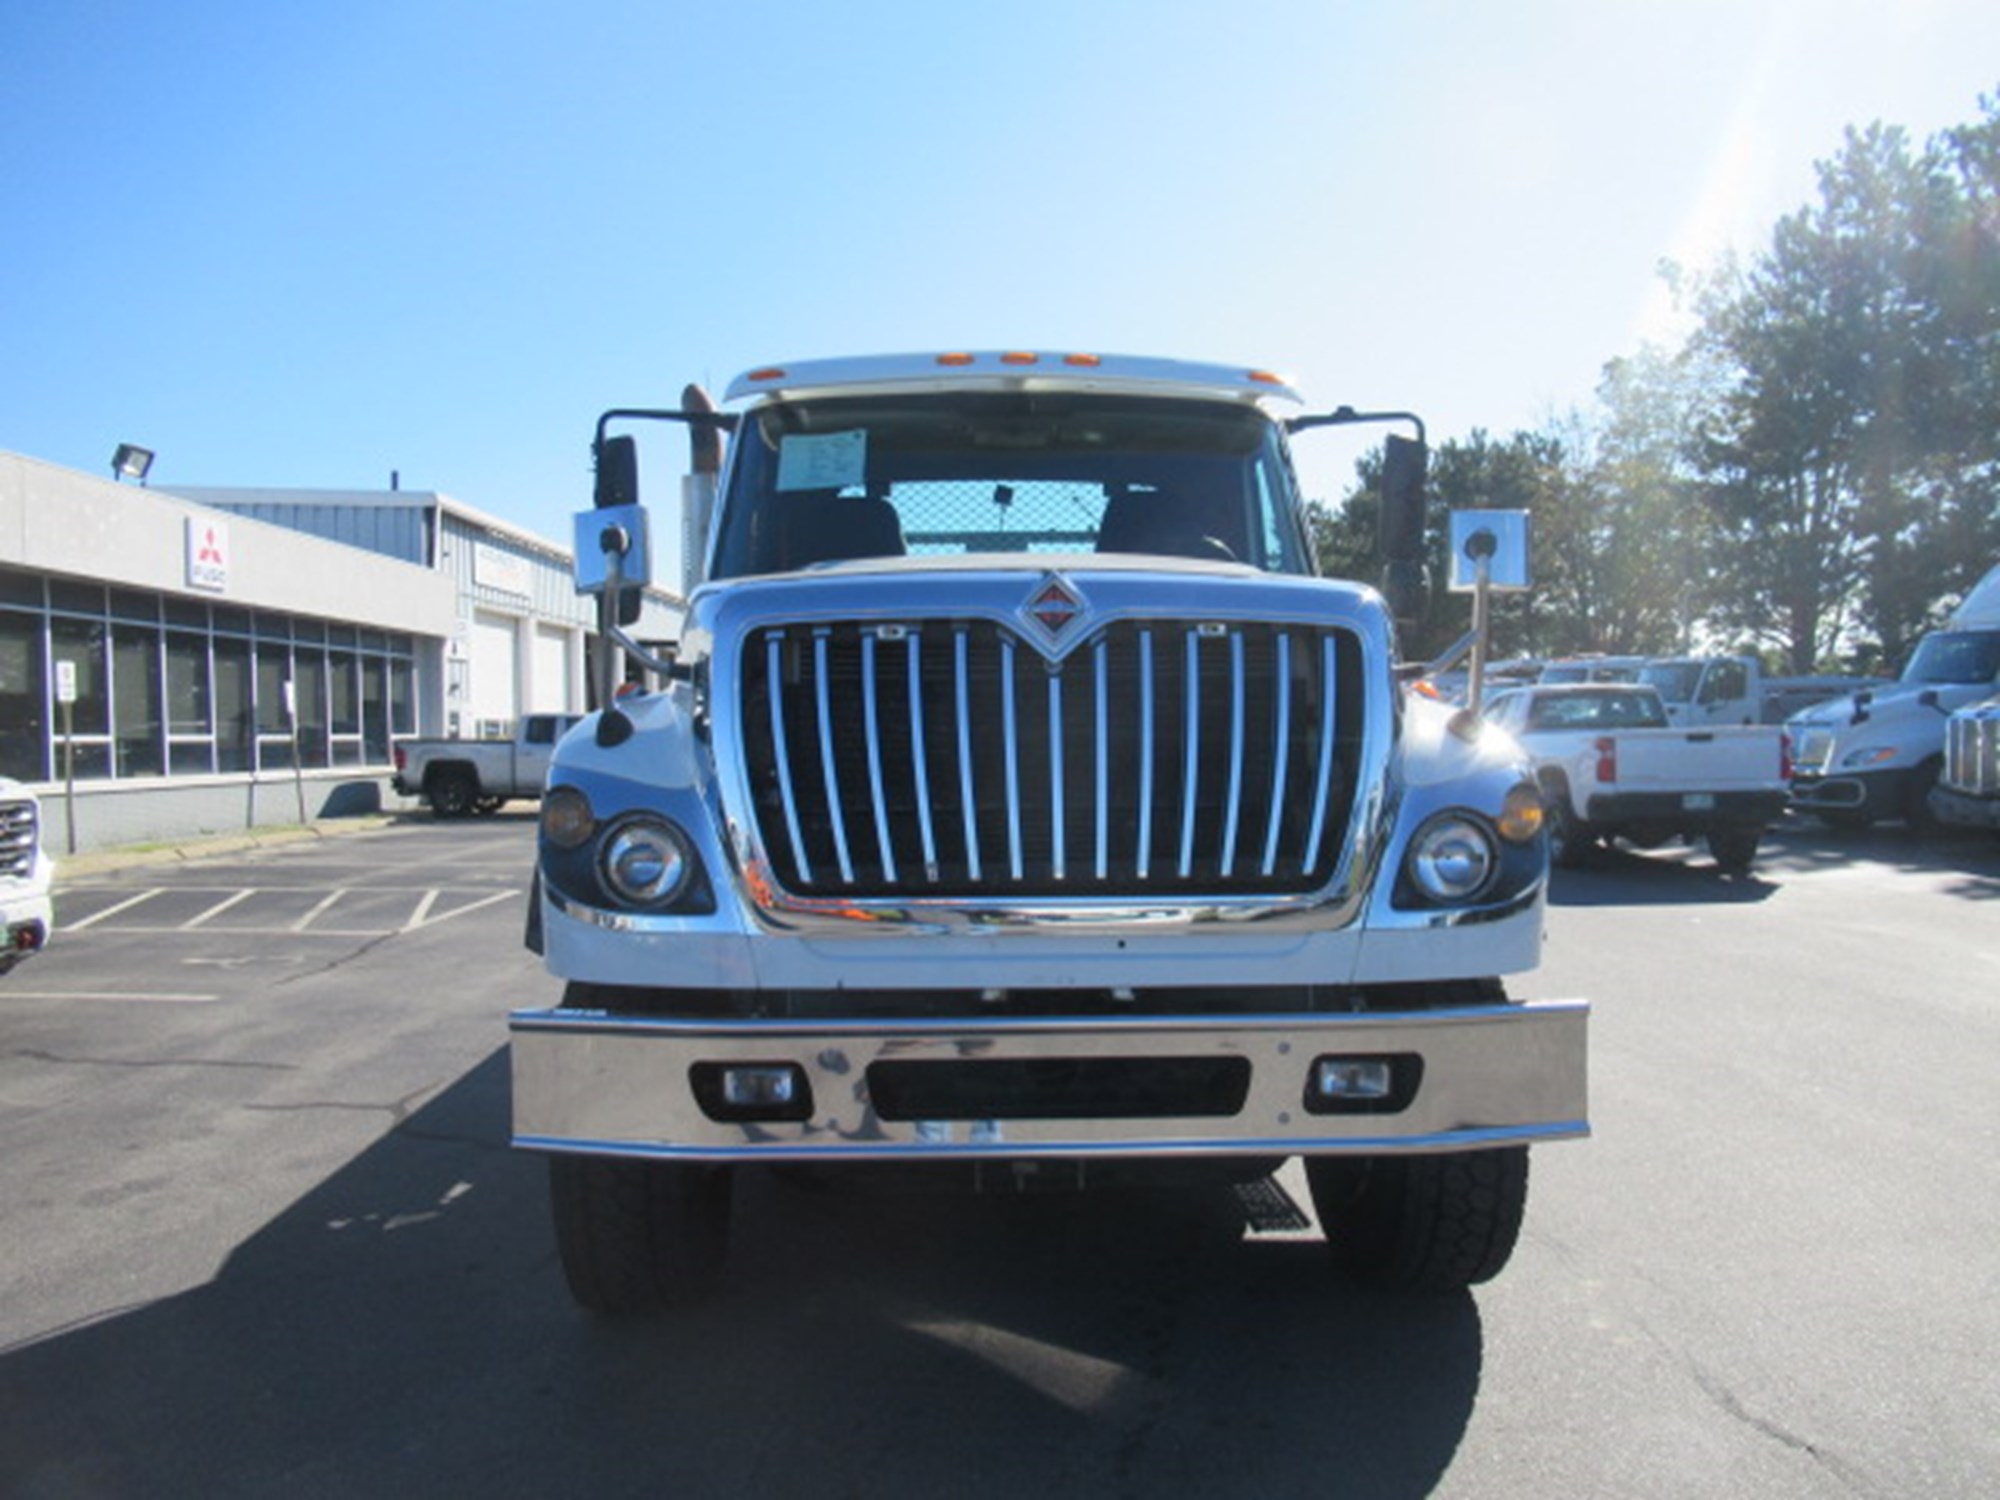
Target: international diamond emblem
(1054, 606)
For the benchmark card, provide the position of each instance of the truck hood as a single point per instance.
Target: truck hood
(1895, 703)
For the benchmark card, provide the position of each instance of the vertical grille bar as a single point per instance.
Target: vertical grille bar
(1058, 844)
(774, 683)
(919, 765)
(1232, 807)
(874, 733)
(835, 817)
(971, 808)
(1099, 653)
(1326, 747)
(1145, 855)
(1011, 736)
(1281, 745)
(1191, 755)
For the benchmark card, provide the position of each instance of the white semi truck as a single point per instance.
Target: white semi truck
(1876, 754)
(1021, 802)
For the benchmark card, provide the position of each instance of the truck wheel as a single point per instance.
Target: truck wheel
(1568, 844)
(1734, 849)
(452, 792)
(637, 1237)
(1421, 1223)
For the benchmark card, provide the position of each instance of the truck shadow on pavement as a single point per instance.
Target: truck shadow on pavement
(1967, 864)
(402, 1329)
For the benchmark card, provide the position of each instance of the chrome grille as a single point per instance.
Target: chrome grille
(1972, 753)
(949, 758)
(17, 838)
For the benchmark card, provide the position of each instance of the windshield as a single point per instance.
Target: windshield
(1956, 656)
(947, 475)
(1674, 679)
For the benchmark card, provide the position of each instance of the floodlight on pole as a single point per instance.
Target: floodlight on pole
(131, 462)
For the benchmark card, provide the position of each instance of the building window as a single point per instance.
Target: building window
(24, 720)
(175, 687)
(235, 721)
(135, 676)
(190, 733)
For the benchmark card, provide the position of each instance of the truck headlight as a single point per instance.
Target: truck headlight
(644, 861)
(567, 819)
(1872, 755)
(1452, 858)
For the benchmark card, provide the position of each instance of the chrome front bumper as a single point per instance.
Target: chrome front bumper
(595, 1083)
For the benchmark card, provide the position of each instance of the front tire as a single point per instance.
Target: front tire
(637, 1237)
(1421, 1223)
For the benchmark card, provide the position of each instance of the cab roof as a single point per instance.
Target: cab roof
(1014, 370)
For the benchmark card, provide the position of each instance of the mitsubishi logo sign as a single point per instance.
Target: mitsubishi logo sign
(1055, 612)
(207, 554)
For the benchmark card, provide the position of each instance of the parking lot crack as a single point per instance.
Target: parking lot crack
(60, 1060)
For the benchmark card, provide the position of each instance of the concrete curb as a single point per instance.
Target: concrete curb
(70, 867)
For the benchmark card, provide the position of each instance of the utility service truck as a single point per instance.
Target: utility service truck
(1021, 804)
(1700, 690)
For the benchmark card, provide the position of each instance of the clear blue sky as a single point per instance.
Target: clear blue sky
(308, 244)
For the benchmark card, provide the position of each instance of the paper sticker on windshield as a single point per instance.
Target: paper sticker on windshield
(822, 461)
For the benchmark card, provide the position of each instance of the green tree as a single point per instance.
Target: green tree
(1852, 465)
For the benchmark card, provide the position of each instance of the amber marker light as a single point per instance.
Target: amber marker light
(769, 372)
(1265, 377)
(1521, 814)
(954, 360)
(1083, 361)
(1020, 357)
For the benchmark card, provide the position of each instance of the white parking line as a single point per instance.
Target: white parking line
(218, 909)
(107, 995)
(422, 917)
(112, 911)
(306, 920)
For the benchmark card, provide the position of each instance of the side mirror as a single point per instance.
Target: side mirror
(1400, 534)
(617, 472)
(617, 488)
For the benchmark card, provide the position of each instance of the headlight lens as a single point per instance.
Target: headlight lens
(1452, 858)
(644, 862)
(567, 819)
(1874, 755)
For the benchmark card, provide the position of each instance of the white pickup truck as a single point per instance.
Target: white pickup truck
(457, 777)
(1611, 766)
(27, 915)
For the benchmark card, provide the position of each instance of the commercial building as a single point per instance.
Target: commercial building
(174, 664)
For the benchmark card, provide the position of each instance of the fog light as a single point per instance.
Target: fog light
(1353, 1078)
(752, 1092)
(1383, 1083)
(759, 1087)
